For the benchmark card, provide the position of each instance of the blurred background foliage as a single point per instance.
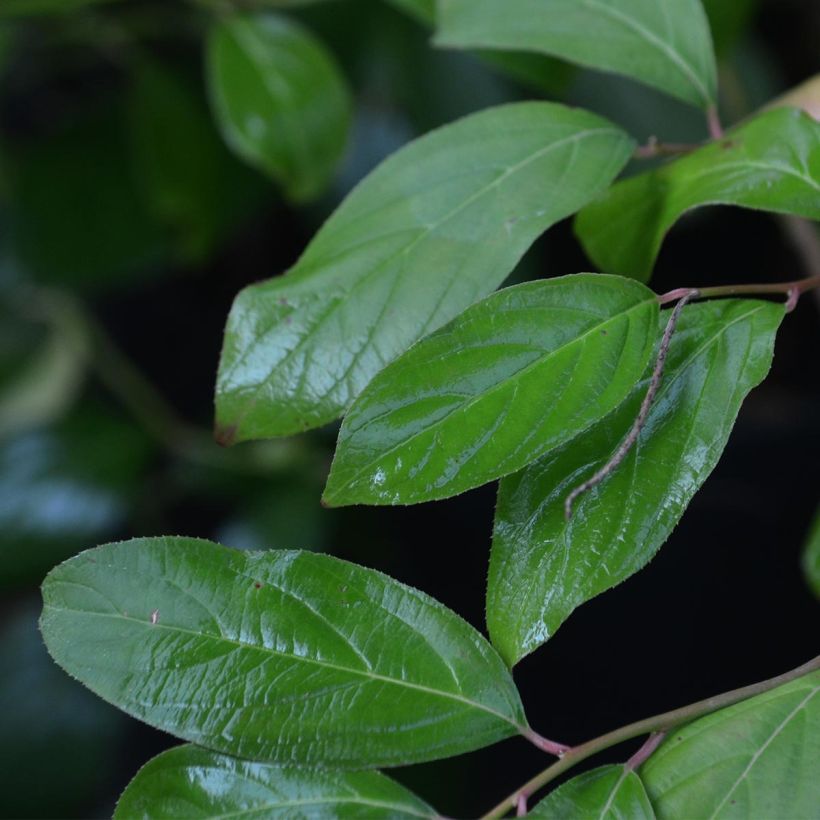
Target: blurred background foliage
(127, 225)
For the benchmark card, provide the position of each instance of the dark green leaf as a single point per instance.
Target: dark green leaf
(188, 781)
(728, 21)
(513, 377)
(811, 556)
(436, 226)
(423, 10)
(280, 100)
(771, 163)
(755, 759)
(608, 793)
(286, 657)
(666, 45)
(542, 567)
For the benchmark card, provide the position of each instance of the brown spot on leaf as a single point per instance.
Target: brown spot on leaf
(225, 436)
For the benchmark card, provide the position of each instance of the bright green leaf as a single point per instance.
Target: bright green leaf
(513, 377)
(666, 45)
(280, 100)
(286, 657)
(755, 759)
(811, 556)
(543, 567)
(771, 163)
(190, 782)
(436, 226)
(608, 793)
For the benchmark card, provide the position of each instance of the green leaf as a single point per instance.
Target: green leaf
(286, 657)
(279, 99)
(608, 793)
(771, 163)
(755, 759)
(191, 782)
(422, 10)
(513, 377)
(436, 226)
(543, 567)
(811, 556)
(666, 45)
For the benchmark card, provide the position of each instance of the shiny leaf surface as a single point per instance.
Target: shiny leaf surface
(280, 100)
(608, 793)
(543, 567)
(755, 759)
(514, 376)
(285, 657)
(666, 45)
(188, 781)
(771, 163)
(436, 226)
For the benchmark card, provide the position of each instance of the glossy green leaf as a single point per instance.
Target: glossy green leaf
(771, 163)
(513, 377)
(811, 556)
(666, 45)
(280, 100)
(188, 781)
(436, 226)
(755, 759)
(543, 567)
(608, 793)
(286, 657)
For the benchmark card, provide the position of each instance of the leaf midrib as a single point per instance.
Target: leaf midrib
(297, 658)
(496, 387)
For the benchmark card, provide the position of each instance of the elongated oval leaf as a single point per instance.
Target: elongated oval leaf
(188, 781)
(514, 376)
(772, 163)
(663, 44)
(436, 226)
(280, 100)
(755, 759)
(608, 793)
(542, 567)
(288, 657)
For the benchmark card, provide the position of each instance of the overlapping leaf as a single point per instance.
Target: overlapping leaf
(663, 44)
(771, 163)
(514, 376)
(280, 100)
(436, 226)
(190, 782)
(542, 567)
(755, 759)
(285, 657)
(608, 793)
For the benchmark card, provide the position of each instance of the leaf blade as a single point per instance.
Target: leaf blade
(767, 767)
(436, 226)
(188, 781)
(661, 44)
(464, 406)
(362, 654)
(542, 567)
(770, 163)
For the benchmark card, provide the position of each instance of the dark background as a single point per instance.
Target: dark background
(115, 314)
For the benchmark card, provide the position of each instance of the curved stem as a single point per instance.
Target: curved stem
(791, 289)
(656, 724)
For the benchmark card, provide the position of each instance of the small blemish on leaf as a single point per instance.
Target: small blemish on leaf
(225, 436)
(257, 585)
(154, 617)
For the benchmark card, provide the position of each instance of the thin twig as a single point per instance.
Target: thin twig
(643, 413)
(645, 752)
(713, 122)
(658, 723)
(793, 290)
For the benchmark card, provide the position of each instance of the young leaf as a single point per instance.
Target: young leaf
(755, 759)
(541, 566)
(286, 657)
(663, 44)
(190, 782)
(811, 556)
(513, 377)
(608, 793)
(436, 226)
(280, 100)
(771, 163)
